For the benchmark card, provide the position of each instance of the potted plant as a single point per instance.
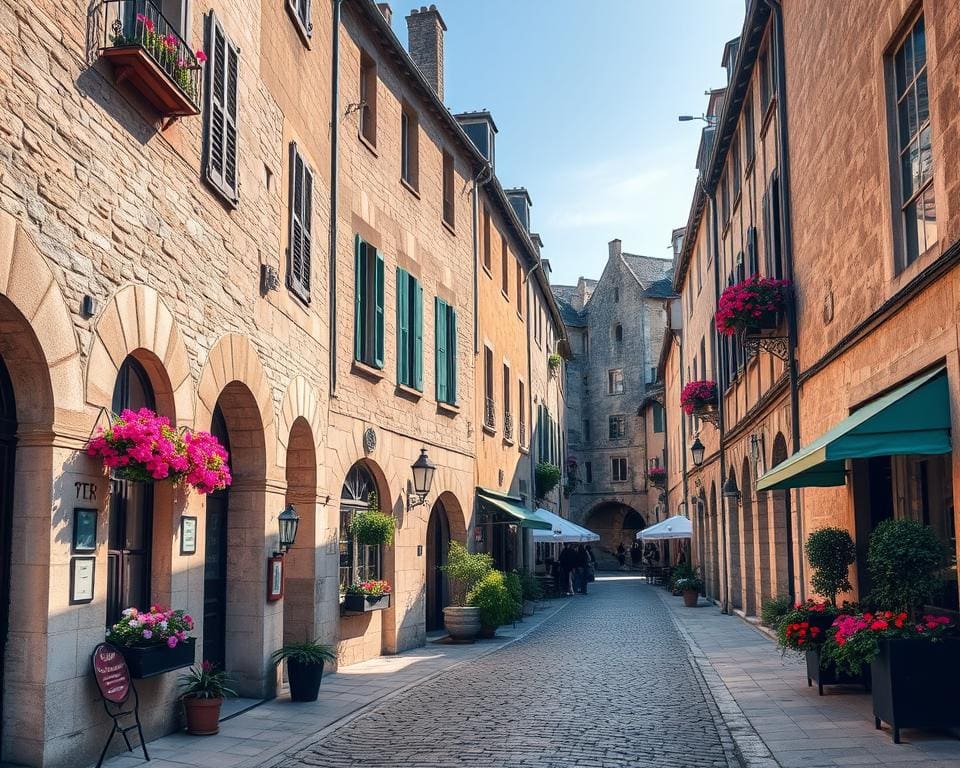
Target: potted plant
(514, 586)
(305, 662)
(154, 641)
(916, 665)
(830, 552)
(532, 592)
(366, 596)
(546, 478)
(752, 305)
(203, 690)
(774, 609)
(689, 587)
(491, 596)
(657, 476)
(699, 397)
(464, 569)
(680, 573)
(371, 526)
(553, 362)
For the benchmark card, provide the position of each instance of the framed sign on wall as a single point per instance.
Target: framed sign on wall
(84, 529)
(82, 570)
(188, 535)
(275, 578)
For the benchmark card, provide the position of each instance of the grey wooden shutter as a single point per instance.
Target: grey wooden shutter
(301, 211)
(220, 141)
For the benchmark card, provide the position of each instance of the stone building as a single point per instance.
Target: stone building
(615, 328)
(193, 239)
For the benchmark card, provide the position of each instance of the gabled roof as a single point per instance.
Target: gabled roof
(661, 289)
(564, 294)
(648, 270)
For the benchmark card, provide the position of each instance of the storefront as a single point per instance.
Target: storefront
(500, 525)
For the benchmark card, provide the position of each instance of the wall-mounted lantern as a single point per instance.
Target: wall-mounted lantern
(423, 471)
(697, 451)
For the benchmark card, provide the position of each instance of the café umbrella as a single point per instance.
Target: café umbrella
(676, 527)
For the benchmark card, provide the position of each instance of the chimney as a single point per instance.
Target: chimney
(481, 129)
(538, 243)
(386, 11)
(616, 248)
(425, 30)
(520, 200)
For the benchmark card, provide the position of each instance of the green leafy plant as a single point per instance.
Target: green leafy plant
(553, 362)
(515, 588)
(688, 583)
(464, 569)
(830, 551)
(493, 599)
(774, 609)
(680, 572)
(904, 558)
(530, 585)
(205, 681)
(305, 652)
(805, 626)
(372, 526)
(547, 477)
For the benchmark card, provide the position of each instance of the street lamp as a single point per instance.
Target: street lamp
(697, 451)
(708, 119)
(423, 470)
(730, 490)
(289, 521)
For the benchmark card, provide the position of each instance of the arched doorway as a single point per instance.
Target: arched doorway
(716, 550)
(215, 561)
(749, 532)
(736, 589)
(299, 602)
(8, 446)
(782, 539)
(438, 541)
(615, 523)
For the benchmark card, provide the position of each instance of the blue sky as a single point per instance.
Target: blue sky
(586, 95)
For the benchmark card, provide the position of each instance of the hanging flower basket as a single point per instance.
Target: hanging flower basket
(698, 396)
(143, 447)
(657, 476)
(751, 305)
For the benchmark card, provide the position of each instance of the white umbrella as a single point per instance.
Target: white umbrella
(676, 527)
(562, 530)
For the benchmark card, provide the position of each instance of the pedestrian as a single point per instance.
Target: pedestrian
(635, 553)
(583, 565)
(622, 556)
(568, 562)
(592, 570)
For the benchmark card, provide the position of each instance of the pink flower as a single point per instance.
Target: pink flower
(172, 641)
(201, 56)
(147, 634)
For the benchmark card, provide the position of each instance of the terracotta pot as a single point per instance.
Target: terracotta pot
(462, 622)
(690, 598)
(203, 715)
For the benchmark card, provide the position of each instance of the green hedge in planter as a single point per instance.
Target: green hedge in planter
(493, 599)
(547, 478)
(904, 559)
(830, 551)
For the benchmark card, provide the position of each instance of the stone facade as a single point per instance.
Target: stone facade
(616, 329)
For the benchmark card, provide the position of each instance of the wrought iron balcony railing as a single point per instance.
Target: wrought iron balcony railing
(490, 414)
(147, 51)
(508, 426)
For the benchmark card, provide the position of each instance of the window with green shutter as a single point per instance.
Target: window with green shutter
(409, 330)
(300, 247)
(445, 351)
(220, 125)
(368, 304)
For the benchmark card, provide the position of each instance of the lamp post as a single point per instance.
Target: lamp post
(289, 521)
(697, 451)
(423, 471)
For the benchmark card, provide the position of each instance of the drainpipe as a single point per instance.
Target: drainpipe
(532, 463)
(334, 189)
(786, 235)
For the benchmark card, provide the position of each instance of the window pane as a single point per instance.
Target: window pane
(134, 573)
(910, 162)
(900, 67)
(911, 234)
(929, 217)
(925, 158)
(919, 45)
(923, 101)
(908, 70)
(136, 522)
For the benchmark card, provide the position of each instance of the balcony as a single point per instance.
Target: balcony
(146, 51)
(508, 427)
(489, 415)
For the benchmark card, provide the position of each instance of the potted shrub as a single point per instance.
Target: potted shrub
(491, 596)
(305, 662)
(464, 570)
(680, 573)
(547, 477)
(699, 397)
(515, 587)
(915, 656)
(689, 587)
(203, 690)
(830, 552)
(774, 609)
(154, 641)
(657, 476)
(366, 596)
(371, 526)
(532, 592)
(752, 305)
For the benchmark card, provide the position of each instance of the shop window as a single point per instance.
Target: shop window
(358, 562)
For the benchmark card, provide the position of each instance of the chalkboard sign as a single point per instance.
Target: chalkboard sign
(111, 673)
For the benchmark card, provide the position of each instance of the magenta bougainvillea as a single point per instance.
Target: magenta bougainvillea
(142, 446)
(698, 394)
(657, 475)
(750, 303)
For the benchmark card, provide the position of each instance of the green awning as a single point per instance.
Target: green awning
(912, 419)
(512, 506)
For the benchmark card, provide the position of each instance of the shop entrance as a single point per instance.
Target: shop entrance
(438, 540)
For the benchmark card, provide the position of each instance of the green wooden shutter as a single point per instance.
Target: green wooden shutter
(403, 331)
(378, 320)
(452, 354)
(359, 286)
(417, 333)
(440, 315)
(220, 140)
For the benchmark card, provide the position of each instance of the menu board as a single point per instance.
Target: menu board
(111, 673)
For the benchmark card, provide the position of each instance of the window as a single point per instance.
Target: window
(504, 267)
(358, 562)
(368, 314)
(615, 381)
(409, 331)
(748, 135)
(918, 213)
(618, 469)
(507, 412)
(773, 255)
(699, 270)
(487, 257)
(724, 203)
(449, 211)
(368, 98)
(300, 11)
(616, 295)
(410, 147)
(618, 333)
(586, 430)
(753, 265)
(300, 247)
(489, 407)
(220, 127)
(658, 418)
(766, 81)
(588, 471)
(522, 413)
(446, 352)
(735, 164)
(618, 427)
(131, 510)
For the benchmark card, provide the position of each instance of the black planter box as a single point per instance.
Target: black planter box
(915, 684)
(156, 659)
(354, 604)
(304, 680)
(823, 674)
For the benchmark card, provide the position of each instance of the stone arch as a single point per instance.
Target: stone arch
(443, 526)
(735, 584)
(136, 322)
(780, 522)
(611, 520)
(299, 603)
(715, 548)
(300, 401)
(749, 534)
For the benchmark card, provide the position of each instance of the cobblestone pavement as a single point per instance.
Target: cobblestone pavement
(607, 683)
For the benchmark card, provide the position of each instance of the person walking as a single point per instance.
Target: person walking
(592, 568)
(622, 556)
(635, 553)
(568, 562)
(583, 566)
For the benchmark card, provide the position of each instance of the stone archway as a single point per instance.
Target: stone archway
(300, 563)
(436, 588)
(616, 523)
(749, 535)
(781, 521)
(716, 550)
(735, 585)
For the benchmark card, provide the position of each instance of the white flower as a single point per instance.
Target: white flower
(134, 623)
(128, 611)
(163, 625)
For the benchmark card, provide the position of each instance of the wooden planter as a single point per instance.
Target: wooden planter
(690, 598)
(915, 684)
(154, 660)
(824, 674)
(133, 64)
(203, 715)
(360, 604)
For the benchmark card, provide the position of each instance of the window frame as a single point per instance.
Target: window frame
(448, 199)
(616, 462)
(615, 376)
(409, 331)
(369, 318)
(301, 12)
(367, 100)
(300, 219)
(409, 147)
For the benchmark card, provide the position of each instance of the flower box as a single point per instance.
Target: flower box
(153, 660)
(359, 604)
(132, 64)
(752, 305)
(822, 673)
(915, 684)
(699, 396)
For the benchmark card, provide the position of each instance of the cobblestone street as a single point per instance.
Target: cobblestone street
(606, 682)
